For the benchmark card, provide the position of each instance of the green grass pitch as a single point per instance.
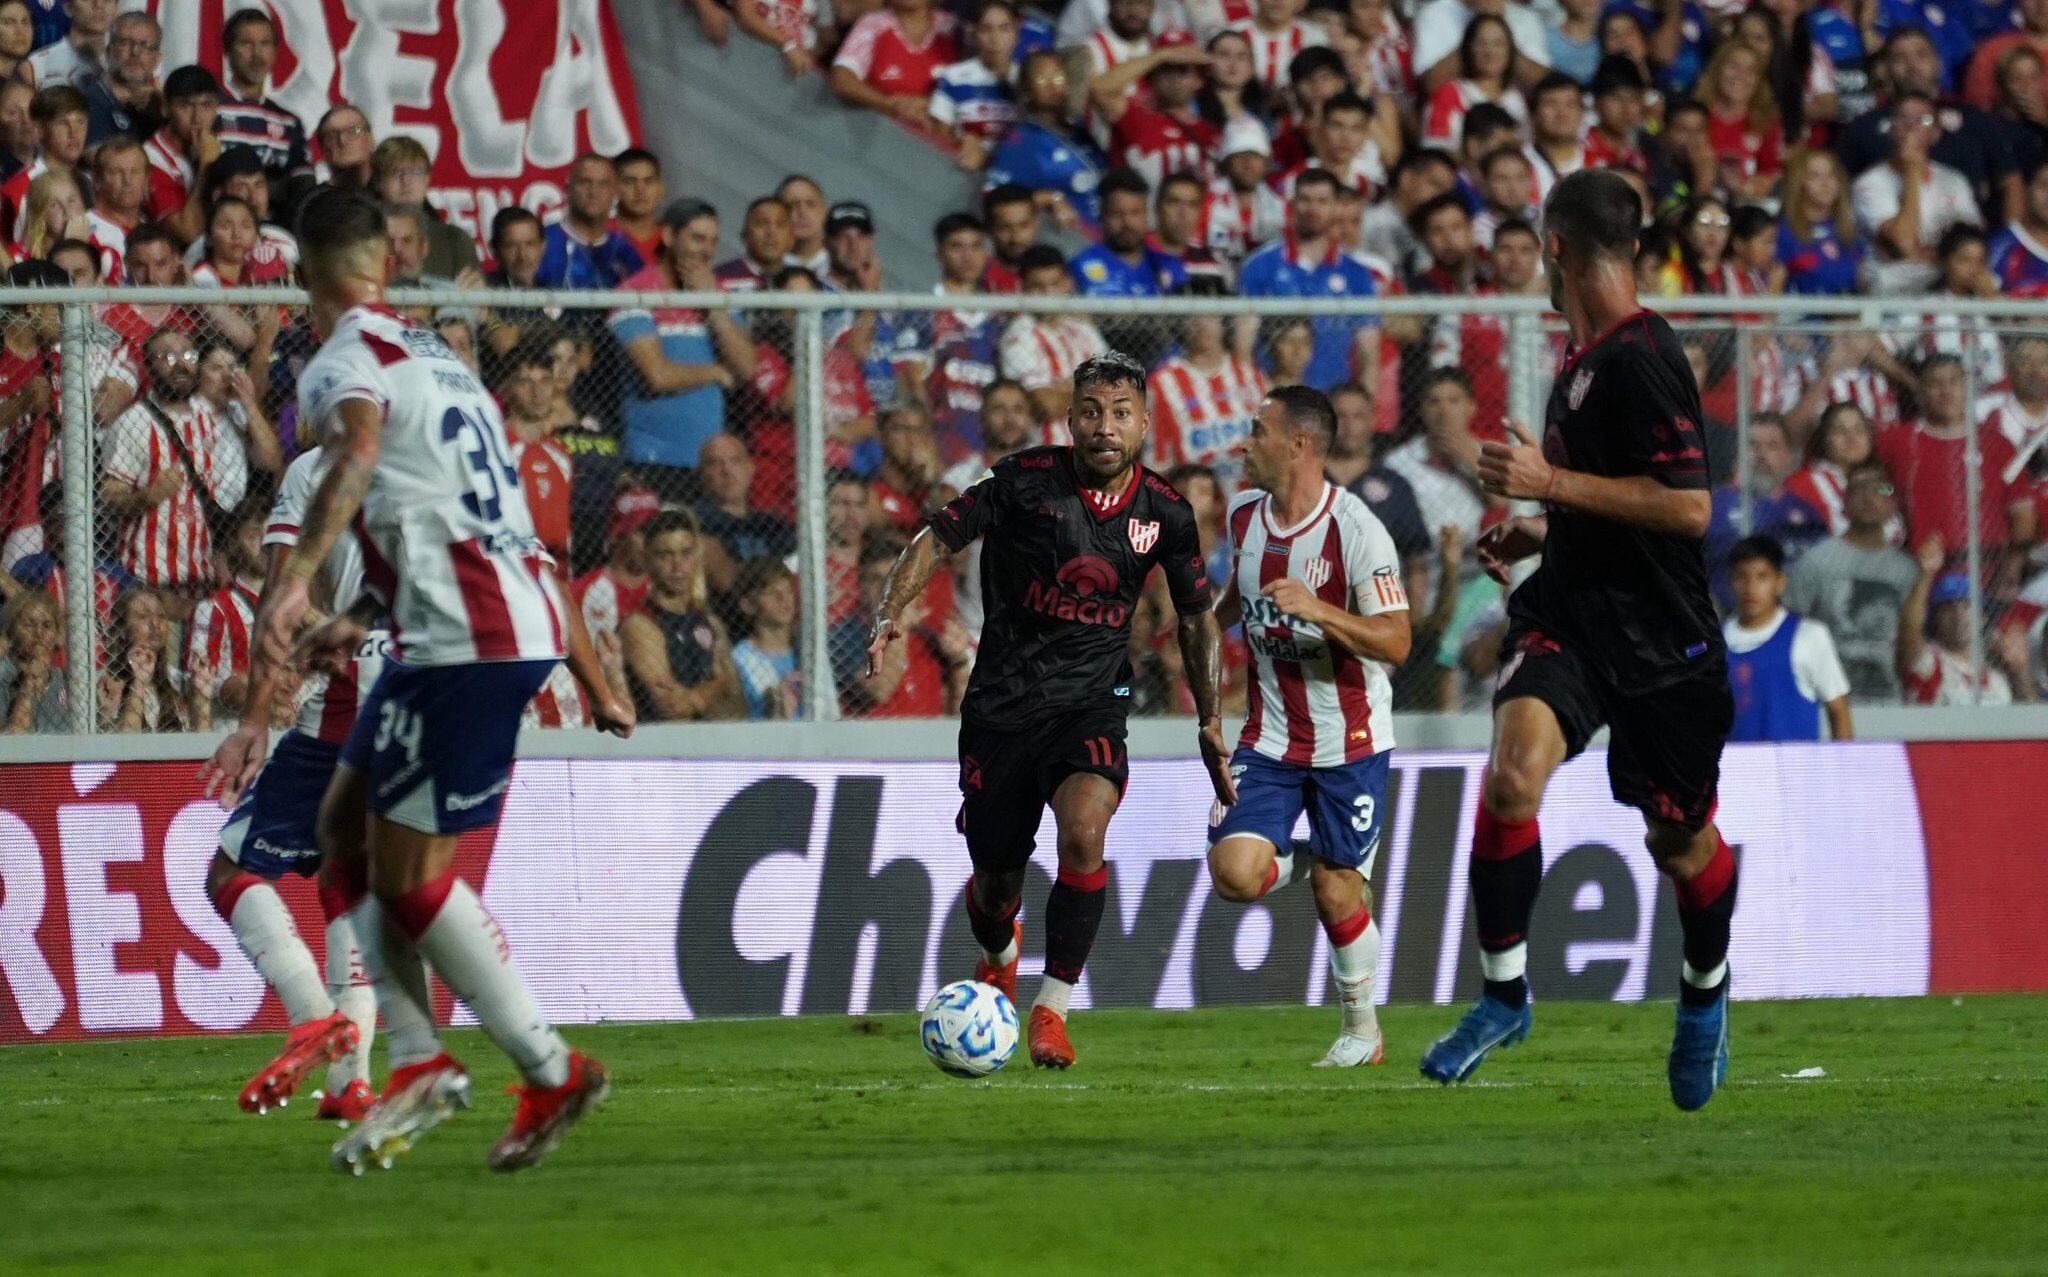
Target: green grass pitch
(1183, 1142)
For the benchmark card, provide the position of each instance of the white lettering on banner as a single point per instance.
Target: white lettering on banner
(101, 919)
(490, 145)
(226, 994)
(309, 90)
(379, 79)
(576, 85)
(27, 973)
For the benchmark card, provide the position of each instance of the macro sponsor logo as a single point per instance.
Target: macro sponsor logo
(1072, 595)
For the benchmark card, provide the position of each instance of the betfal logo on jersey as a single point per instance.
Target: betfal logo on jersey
(1581, 383)
(1144, 533)
(1315, 572)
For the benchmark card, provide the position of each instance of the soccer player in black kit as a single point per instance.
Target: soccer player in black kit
(1615, 627)
(1070, 534)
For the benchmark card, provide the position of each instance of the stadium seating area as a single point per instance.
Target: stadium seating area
(1894, 150)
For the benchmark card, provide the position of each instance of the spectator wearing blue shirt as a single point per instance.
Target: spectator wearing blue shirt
(1043, 153)
(686, 360)
(1308, 262)
(1677, 36)
(1817, 241)
(582, 250)
(1123, 265)
(889, 345)
(2019, 253)
(1969, 141)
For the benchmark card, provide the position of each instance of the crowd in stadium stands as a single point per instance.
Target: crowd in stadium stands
(1209, 148)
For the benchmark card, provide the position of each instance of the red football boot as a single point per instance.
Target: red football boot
(1049, 1046)
(306, 1047)
(1003, 978)
(545, 1114)
(350, 1105)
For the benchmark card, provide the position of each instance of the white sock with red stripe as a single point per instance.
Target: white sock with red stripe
(348, 984)
(399, 980)
(1288, 869)
(1354, 962)
(264, 929)
(454, 932)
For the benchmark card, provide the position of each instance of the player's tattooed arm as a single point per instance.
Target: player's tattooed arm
(909, 575)
(1201, 657)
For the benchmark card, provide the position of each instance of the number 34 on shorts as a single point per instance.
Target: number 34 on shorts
(1345, 806)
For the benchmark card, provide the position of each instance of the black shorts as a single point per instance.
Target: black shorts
(1008, 775)
(1664, 746)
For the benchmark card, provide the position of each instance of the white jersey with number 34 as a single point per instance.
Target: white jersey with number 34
(1313, 703)
(446, 536)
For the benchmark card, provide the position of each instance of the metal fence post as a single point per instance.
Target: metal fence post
(821, 691)
(1745, 505)
(1973, 484)
(81, 524)
(1525, 378)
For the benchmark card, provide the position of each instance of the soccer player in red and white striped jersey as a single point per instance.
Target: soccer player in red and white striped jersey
(1317, 583)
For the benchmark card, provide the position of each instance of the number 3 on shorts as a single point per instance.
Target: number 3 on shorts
(1362, 814)
(402, 725)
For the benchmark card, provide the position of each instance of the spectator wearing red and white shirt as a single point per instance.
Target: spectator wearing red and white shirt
(1165, 135)
(181, 152)
(82, 54)
(526, 391)
(1344, 147)
(217, 642)
(891, 57)
(1557, 130)
(1241, 211)
(1203, 401)
(2020, 412)
(1742, 121)
(59, 115)
(1378, 52)
(1314, 77)
(1277, 35)
(150, 261)
(1962, 259)
(1507, 191)
(239, 173)
(1928, 462)
(120, 189)
(1123, 38)
(237, 255)
(1041, 354)
(1487, 63)
(788, 26)
(617, 589)
(1619, 92)
(1934, 640)
(910, 466)
(164, 539)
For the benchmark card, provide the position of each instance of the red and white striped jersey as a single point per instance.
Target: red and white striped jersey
(1201, 418)
(327, 705)
(1233, 224)
(1041, 353)
(447, 538)
(1861, 385)
(1390, 62)
(217, 644)
(1443, 119)
(2019, 424)
(1913, 339)
(170, 175)
(605, 602)
(558, 703)
(1273, 50)
(1106, 52)
(1366, 174)
(167, 544)
(1313, 704)
(109, 240)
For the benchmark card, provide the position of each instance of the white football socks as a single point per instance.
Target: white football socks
(1053, 995)
(1511, 963)
(348, 985)
(1008, 954)
(1354, 967)
(1290, 869)
(466, 947)
(263, 927)
(399, 980)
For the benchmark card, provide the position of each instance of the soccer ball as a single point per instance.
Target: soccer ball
(969, 1029)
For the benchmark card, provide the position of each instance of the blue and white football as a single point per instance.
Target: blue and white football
(969, 1029)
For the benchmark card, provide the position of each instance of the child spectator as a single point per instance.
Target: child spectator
(217, 642)
(678, 660)
(1782, 668)
(766, 659)
(1934, 640)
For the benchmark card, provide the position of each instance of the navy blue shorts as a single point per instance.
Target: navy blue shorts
(270, 832)
(435, 743)
(1345, 805)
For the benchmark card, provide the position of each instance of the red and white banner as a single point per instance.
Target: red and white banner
(502, 93)
(674, 889)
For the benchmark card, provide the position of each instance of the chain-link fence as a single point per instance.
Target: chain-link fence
(723, 481)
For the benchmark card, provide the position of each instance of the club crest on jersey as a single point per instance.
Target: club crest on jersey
(1315, 572)
(1144, 533)
(1581, 383)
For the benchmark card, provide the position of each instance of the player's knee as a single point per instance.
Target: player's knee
(1679, 853)
(1513, 790)
(1239, 879)
(1080, 842)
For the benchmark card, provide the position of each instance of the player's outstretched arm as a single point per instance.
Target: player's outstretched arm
(908, 576)
(1519, 472)
(1201, 657)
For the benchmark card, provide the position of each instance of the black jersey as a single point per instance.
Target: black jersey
(1633, 602)
(1059, 580)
